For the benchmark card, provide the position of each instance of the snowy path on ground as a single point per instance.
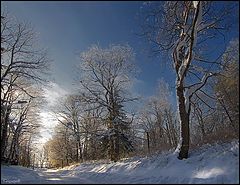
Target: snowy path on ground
(59, 177)
(218, 163)
(18, 174)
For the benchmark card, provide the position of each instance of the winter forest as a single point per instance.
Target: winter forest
(106, 131)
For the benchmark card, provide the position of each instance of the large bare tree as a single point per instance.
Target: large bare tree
(23, 66)
(106, 78)
(185, 28)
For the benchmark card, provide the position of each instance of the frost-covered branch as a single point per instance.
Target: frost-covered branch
(192, 89)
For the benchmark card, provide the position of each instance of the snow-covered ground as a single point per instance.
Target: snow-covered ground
(218, 163)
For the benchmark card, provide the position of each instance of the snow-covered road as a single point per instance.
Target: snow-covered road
(17, 174)
(59, 177)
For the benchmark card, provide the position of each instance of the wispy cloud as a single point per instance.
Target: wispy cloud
(48, 121)
(53, 93)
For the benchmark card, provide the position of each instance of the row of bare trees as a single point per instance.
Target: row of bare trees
(85, 133)
(22, 68)
(157, 119)
(207, 90)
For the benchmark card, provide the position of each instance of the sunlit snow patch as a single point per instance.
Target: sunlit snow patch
(204, 174)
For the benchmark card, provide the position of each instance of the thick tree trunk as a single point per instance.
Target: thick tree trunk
(85, 149)
(11, 150)
(4, 133)
(116, 148)
(77, 155)
(184, 123)
(148, 143)
(3, 140)
(80, 151)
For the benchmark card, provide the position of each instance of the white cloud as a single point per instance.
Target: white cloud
(53, 93)
(48, 122)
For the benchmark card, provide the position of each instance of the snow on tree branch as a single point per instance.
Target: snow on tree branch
(194, 88)
(195, 3)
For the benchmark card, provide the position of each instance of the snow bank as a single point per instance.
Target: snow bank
(217, 163)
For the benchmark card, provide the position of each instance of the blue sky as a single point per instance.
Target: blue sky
(67, 28)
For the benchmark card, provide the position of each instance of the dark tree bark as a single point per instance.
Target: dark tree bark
(148, 142)
(184, 126)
